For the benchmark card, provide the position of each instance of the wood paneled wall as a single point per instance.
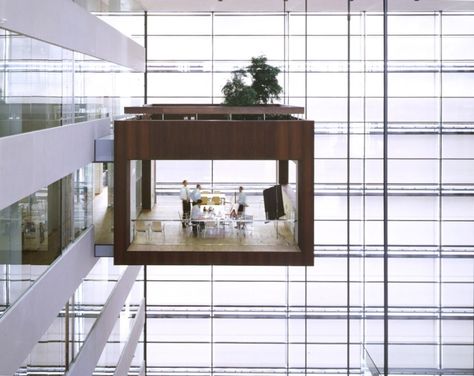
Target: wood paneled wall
(217, 140)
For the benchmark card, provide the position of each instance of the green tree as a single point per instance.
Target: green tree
(264, 87)
(236, 92)
(265, 82)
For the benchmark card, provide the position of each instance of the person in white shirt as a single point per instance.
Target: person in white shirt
(242, 202)
(196, 215)
(186, 202)
(196, 193)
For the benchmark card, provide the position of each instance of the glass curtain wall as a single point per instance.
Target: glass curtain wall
(35, 230)
(431, 269)
(37, 87)
(62, 342)
(293, 320)
(44, 86)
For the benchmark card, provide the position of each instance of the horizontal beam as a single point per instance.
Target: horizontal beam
(66, 24)
(31, 161)
(213, 109)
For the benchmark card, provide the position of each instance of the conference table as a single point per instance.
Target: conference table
(217, 221)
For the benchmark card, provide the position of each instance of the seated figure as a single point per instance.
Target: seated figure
(196, 215)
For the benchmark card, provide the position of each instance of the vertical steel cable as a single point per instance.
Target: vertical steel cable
(145, 268)
(145, 37)
(385, 191)
(440, 193)
(348, 191)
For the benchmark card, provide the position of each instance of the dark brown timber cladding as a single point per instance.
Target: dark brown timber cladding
(218, 140)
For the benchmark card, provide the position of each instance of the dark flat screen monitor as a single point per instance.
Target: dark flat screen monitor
(273, 201)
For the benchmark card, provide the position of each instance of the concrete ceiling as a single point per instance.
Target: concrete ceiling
(274, 5)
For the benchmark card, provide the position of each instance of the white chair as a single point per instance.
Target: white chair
(211, 228)
(142, 226)
(158, 227)
(186, 222)
(247, 224)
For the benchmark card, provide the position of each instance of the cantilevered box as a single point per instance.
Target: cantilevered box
(161, 132)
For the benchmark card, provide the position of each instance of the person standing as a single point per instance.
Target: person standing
(242, 202)
(185, 199)
(196, 193)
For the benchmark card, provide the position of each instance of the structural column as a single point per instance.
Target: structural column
(282, 172)
(148, 184)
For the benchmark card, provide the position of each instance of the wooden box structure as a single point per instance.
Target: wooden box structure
(160, 132)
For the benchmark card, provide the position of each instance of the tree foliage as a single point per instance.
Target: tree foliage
(236, 92)
(264, 87)
(265, 82)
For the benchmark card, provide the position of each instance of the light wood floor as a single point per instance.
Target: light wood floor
(258, 236)
(103, 219)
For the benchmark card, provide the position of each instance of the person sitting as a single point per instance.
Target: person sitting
(233, 211)
(196, 215)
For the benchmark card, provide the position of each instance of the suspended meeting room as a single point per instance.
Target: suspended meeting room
(364, 265)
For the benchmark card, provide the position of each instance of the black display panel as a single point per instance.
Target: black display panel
(273, 201)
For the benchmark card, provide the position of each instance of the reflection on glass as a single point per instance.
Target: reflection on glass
(55, 93)
(29, 240)
(34, 230)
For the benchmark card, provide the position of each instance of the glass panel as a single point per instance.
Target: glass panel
(417, 356)
(168, 24)
(245, 47)
(63, 87)
(103, 203)
(457, 24)
(180, 85)
(412, 24)
(254, 24)
(234, 203)
(32, 236)
(249, 355)
(179, 48)
(457, 47)
(458, 146)
(411, 48)
(32, 100)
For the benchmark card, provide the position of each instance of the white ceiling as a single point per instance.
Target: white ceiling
(299, 5)
(274, 5)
